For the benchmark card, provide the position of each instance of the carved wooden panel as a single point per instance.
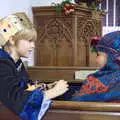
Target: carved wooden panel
(65, 40)
(54, 45)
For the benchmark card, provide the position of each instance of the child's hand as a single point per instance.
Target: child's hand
(60, 88)
(51, 85)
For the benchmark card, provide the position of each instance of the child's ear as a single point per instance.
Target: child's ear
(11, 41)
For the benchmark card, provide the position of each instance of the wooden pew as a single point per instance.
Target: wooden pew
(6, 114)
(55, 73)
(68, 110)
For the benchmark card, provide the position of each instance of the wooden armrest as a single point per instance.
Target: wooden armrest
(68, 110)
(69, 81)
(86, 106)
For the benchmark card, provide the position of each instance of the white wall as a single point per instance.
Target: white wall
(4, 8)
(44, 2)
(12, 6)
(107, 29)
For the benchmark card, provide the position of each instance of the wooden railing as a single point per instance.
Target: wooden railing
(68, 110)
(55, 73)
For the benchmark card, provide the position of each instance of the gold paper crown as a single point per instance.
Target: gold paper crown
(12, 24)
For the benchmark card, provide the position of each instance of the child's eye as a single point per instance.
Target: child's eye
(30, 40)
(97, 54)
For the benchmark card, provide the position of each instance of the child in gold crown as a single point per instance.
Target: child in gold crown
(17, 91)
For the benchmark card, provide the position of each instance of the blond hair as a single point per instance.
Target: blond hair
(25, 34)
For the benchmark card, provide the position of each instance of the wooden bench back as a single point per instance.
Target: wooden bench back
(55, 73)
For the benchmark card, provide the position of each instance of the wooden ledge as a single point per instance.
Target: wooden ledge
(61, 68)
(87, 106)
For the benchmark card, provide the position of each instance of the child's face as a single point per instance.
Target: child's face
(24, 47)
(101, 59)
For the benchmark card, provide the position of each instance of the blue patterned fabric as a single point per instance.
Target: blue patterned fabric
(44, 107)
(104, 85)
(34, 106)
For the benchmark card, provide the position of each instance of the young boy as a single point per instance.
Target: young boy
(17, 91)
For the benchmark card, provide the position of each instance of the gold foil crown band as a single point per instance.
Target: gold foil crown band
(12, 24)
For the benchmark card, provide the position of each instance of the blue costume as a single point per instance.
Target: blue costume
(28, 105)
(103, 85)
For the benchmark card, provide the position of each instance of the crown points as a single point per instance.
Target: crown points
(12, 24)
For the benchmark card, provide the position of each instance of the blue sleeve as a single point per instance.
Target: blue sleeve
(35, 107)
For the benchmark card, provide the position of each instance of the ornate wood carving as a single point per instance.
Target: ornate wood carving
(65, 40)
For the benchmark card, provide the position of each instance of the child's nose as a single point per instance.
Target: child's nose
(32, 44)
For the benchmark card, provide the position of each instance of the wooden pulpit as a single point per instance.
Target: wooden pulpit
(64, 40)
